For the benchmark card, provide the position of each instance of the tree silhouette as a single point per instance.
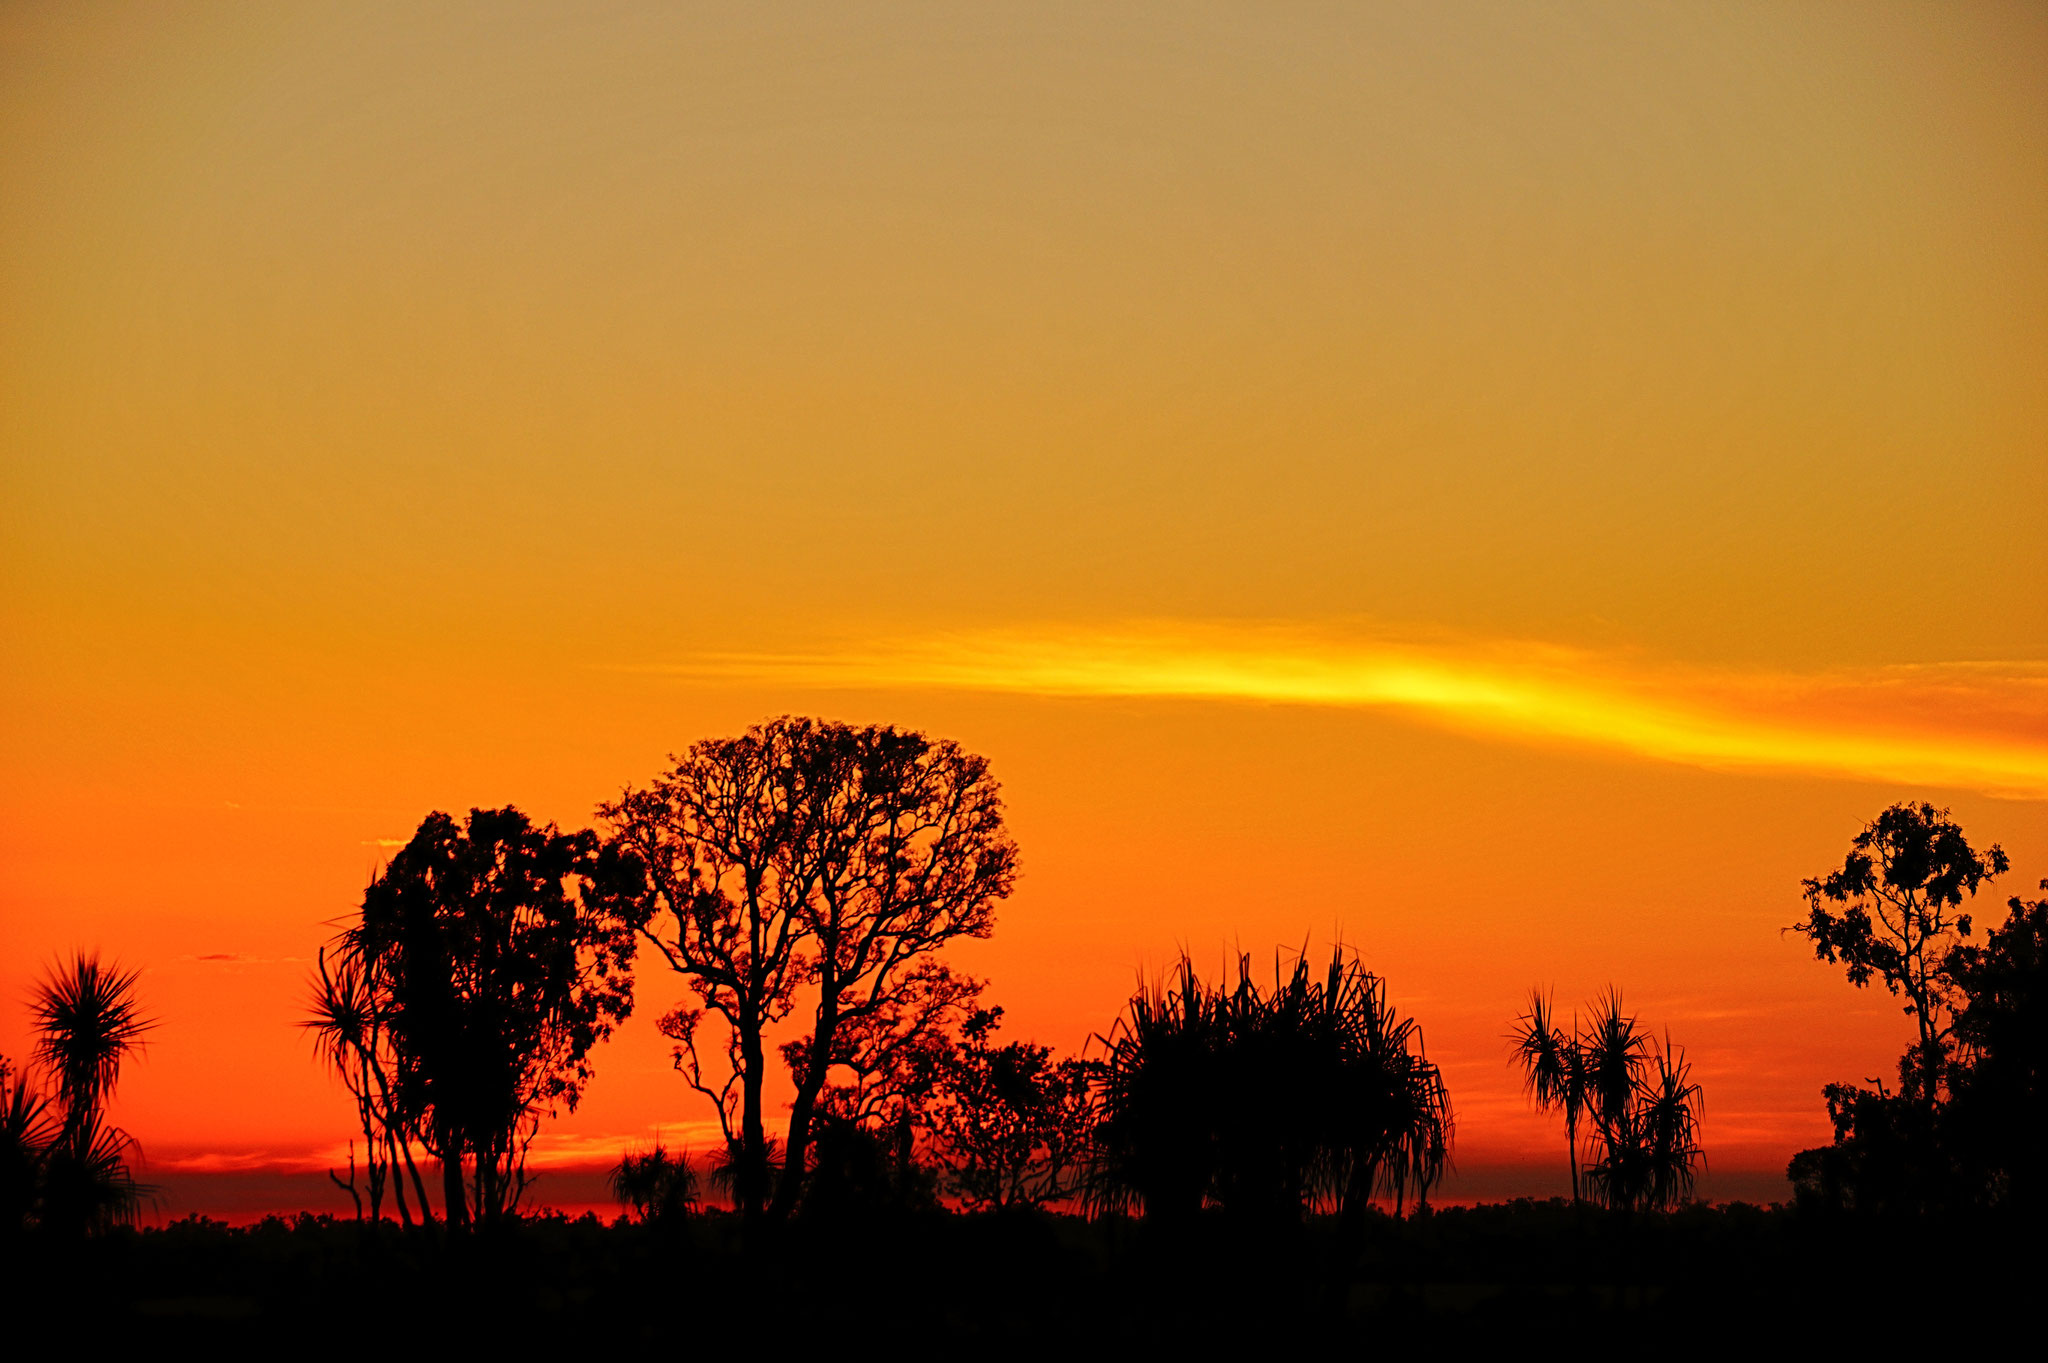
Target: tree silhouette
(1999, 1112)
(352, 1012)
(1014, 1125)
(489, 959)
(1639, 1098)
(1901, 888)
(63, 1165)
(1979, 1142)
(810, 855)
(655, 1184)
(1553, 1070)
(1268, 1103)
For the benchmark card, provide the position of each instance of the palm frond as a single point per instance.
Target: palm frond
(89, 1022)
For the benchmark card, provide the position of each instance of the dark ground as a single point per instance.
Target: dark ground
(1524, 1274)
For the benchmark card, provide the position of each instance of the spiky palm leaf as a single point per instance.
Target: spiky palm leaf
(655, 1184)
(1269, 1102)
(89, 1022)
(26, 1133)
(88, 1184)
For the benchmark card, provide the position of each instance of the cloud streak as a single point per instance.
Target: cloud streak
(1973, 726)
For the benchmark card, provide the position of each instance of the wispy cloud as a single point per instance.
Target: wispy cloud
(1975, 726)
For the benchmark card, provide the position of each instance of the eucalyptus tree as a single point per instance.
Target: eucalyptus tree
(489, 959)
(1893, 911)
(808, 860)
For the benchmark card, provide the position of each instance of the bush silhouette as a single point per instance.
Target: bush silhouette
(1314, 1094)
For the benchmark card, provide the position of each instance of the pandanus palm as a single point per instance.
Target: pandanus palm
(88, 1022)
(1553, 1071)
(26, 1134)
(1312, 1094)
(1643, 1105)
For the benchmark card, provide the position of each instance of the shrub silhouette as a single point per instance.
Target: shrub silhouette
(1013, 1123)
(654, 1184)
(1315, 1095)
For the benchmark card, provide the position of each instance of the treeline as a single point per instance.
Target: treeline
(809, 876)
(805, 879)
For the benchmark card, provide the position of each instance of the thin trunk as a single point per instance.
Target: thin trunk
(1571, 1145)
(396, 1164)
(455, 1204)
(419, 1182)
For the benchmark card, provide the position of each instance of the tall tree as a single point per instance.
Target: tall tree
(815, 856)
(1900, 892)
(490, 958)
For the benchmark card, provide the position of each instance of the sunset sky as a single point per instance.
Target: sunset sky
(1514, 488)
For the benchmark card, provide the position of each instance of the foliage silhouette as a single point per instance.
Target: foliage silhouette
(1998, 1115)
(1639, 1098)
(1901, 888)
(1269, 1104)
(1015, 1126)
(488, 960)
(1554, 1071)
(654, 1184)
(351, 1022)
(63, 1165)
(1979, 1143)
(808, 855)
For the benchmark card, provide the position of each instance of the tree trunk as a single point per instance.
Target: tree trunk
(796, 1150)
(1571, 1145)
(753, 1169)
(455, 1206)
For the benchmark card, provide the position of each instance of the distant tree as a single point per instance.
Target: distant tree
(1553, 1071)
(655, 1184)
(812, 856)
(1641, 1102)
(489, 959)
(1267, 1103)
(1013, 1124)
(1901, 889)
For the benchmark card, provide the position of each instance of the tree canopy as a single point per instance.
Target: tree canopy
(1901, 889)
(806, 855)
(464, 1003)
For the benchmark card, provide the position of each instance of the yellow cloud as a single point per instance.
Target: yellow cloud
(1979, 726)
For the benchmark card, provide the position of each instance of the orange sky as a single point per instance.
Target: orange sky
(1518, 490)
